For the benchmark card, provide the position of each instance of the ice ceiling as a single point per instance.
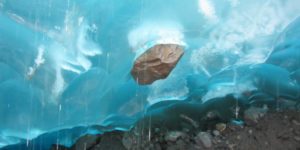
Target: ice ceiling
(67, 63)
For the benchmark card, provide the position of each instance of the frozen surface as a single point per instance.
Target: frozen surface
(67, 63)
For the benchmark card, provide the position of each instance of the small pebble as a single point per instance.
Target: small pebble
(297, 138)
(204, 138)
(173, 136)
(227, 142)
(216, 133)
(157, 130)
(157, 147)
(231, 146)
(296, 122)
(250, 131)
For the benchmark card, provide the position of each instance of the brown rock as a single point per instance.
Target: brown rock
(221, 127)
(156, 63)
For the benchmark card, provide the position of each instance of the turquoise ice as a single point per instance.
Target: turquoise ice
(67, 63)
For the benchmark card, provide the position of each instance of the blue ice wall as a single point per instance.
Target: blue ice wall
(66, 63)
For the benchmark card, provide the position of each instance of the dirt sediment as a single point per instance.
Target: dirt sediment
(275, 130)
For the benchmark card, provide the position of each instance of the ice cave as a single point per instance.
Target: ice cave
(73, 72)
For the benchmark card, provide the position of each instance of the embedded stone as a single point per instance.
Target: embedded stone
(156, 63)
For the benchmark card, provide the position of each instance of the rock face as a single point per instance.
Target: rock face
(86, 142)
(156, 63)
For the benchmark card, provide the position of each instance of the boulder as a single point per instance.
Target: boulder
(156, 63)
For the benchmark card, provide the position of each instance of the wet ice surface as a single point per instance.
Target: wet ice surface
(67, 64)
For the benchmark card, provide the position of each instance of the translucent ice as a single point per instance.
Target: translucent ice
(65, 64)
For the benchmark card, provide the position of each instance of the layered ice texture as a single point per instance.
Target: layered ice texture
(65, 64)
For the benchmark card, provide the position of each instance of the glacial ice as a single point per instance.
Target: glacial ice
(66, 64)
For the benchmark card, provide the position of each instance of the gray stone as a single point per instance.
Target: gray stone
(252, 114)
(216, 133)
(296, 122)
(297, 138)
(173, 135)
(204, 138)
